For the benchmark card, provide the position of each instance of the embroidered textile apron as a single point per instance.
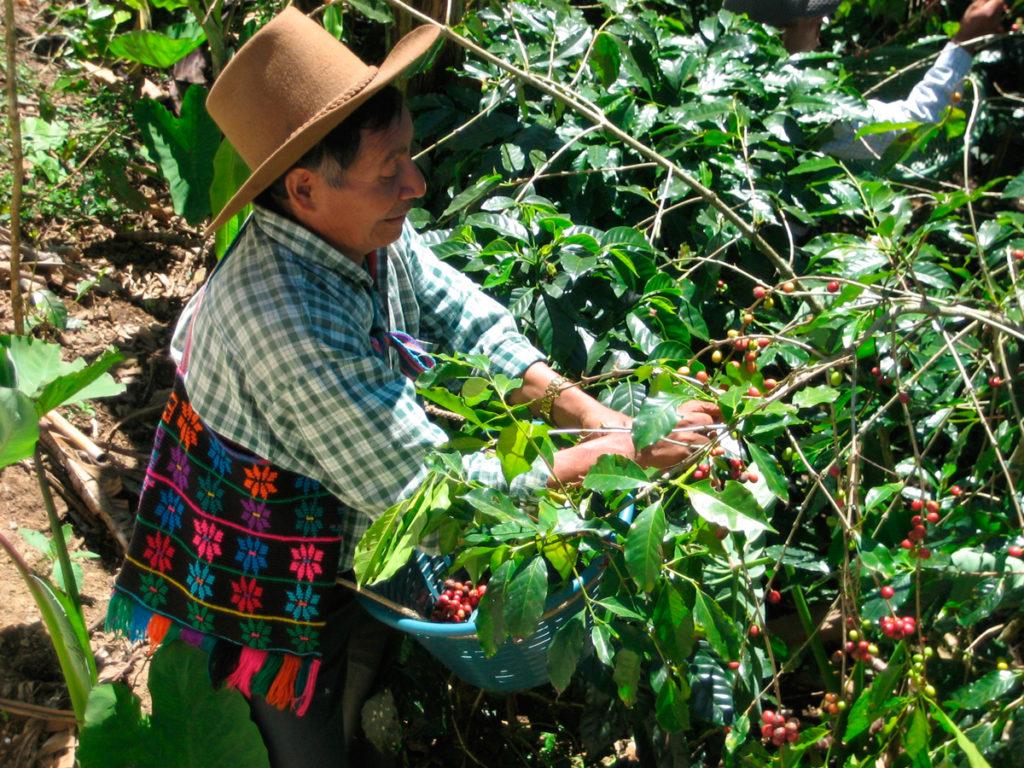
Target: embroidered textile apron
(228, 547)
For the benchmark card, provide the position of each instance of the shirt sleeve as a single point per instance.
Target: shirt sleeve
(359, 424)
(456, 314)
(925, 104)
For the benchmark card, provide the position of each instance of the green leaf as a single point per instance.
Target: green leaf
(229, 173)
(565, 651)
(497, 507)
(375, 10)
(985, 690)
(974, 757)
(735, 508)
(771, 470)
(193, 724)
(184, 149)
(614, 473)
(812, 396)
(516, 451)
(643, 551)
(82, 384)
(19, 427)
(471, 195)
(658, 416)
(673, 624)
(524, 599)
(917, 739)
(627, 675)
(719, 630)
(877, 699)
(1015, 188)
(880, 494)
(813, 165)
(490, 616)
(153, 49)
(671, 707)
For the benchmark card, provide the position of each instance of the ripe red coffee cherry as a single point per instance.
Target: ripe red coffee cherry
(888, 592)
(833, 286)
(701, 376)
(733, 665)
(1018, 254)
(924, 553)
(754, 630)
(770, 384)
(956, 490)
(1014, 551)
(774, 597)
(917, 505)
(754, 392)
(931, 505)
(760, 291)
(788, 287)
(904, 397)
(932, 517)
(995, 381)
(907, 544)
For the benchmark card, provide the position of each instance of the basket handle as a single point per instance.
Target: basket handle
(397, 607)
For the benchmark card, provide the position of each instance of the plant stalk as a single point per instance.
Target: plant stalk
(59, 545)
(18, 169)
(820, 657)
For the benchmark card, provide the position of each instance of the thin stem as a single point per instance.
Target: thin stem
(18, 163)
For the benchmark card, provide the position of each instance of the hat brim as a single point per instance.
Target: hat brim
(405, 53)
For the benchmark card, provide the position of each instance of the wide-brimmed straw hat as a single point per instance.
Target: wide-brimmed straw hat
(289, 86)
(779, 13)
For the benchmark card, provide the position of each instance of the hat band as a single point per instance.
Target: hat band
(336, 102)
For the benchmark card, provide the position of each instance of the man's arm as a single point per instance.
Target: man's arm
(928, 100)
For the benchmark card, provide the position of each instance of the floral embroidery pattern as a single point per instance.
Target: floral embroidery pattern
(211, 494)
(219, 459)
(255, 633)
(252, 554)
(199, 617)
(189, 426)
(207, 539)
(259, 480)
(159, 552)
(255, 515)
(200, 580)
(246, 595)
(170, 509)
(172, 403)
(302, 603)
(179, 466)
(306, 485)
(304, 639)
(152, 590)
(306, 562)
(309, 518)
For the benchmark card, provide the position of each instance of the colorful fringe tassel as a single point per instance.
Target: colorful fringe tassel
(277, 677)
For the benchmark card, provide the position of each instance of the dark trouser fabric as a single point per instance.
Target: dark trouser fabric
(317, 739)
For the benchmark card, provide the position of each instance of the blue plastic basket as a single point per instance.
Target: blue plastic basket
(518, 665)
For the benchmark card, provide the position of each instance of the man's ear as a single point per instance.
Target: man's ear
(300, 184)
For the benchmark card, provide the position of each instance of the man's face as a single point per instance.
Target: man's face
(803, 34)
(367, 209)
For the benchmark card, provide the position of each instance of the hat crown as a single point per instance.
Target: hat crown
(301, 69)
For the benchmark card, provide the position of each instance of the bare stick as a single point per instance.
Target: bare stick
(18, 163)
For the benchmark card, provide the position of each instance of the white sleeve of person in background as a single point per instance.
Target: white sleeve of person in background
(926, 103)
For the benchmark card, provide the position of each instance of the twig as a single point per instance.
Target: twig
(75, 435)
(23, 709)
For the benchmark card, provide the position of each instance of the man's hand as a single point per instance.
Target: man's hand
(982, 17)
(679, 446)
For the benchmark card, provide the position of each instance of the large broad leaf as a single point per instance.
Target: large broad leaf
(734, 508)
(877, 699)
(229, 173)
(40, 373)
(627, 675)
(614, 473)
(671, 707)
(153, 49)
(377, 10)
(184, 148)
(564, 653)
(497, 507)
(193, 724)
(771, 470)
(643, 551)
(524, 599)
(19, 427)
(719, 630)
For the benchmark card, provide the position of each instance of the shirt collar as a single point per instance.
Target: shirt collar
(309, 246)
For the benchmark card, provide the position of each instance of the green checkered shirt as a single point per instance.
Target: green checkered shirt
(281, 362)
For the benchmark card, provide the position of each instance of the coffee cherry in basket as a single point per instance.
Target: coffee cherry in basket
(457, 601)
